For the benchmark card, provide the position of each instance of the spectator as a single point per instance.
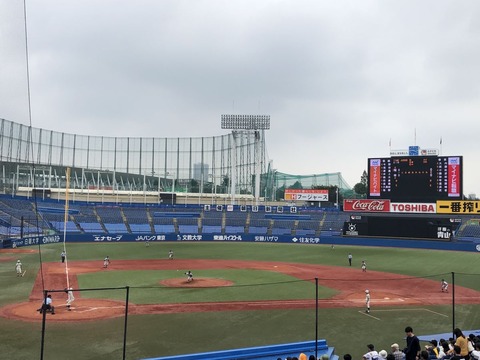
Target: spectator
(399, 355)
(325, 357)
(302, 356)
(432, 349)
(444, 349)
(413, 344)
(382, 355)
(345, 357)
(460, 341)
(390, 357)
(424, 355)
(372, 354)
(457, 353)
(475, 355)
(312, 357)
(471, 343)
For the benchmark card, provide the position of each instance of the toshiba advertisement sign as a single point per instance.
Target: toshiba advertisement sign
(366, 205)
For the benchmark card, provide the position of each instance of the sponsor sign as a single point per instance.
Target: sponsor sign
(413, 150)
(366, 205)
(413, 208)
(398, 152)
(306, 195)
(375, 177)
(454, 174)
(458, 207)
(429, 152)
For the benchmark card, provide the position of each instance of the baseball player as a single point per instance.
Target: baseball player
(350, 257)
(18, 268)
(106, 262)
(70, 298)
(63, 255)
(170, 255)
(364, 266)
(189, 276)
(367, 301)
(444, 286)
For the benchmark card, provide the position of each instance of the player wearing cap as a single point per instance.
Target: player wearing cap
(18, 268)
(364, 266)
(367, 301)
(444, 286)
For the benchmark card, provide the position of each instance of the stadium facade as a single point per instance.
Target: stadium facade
(34, 158)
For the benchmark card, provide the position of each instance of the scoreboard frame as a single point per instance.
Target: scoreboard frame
(421, 179)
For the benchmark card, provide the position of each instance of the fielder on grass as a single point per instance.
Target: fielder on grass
(367, 301)
(18, 268)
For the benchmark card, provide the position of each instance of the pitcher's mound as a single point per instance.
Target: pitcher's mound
(197, 283)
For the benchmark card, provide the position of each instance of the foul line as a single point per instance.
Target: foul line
(366, 314)
(419, 309)
(97, 308)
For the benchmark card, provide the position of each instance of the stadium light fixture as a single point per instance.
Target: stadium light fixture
(246, 124)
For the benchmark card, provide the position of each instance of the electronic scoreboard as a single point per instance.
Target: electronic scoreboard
(415, 178)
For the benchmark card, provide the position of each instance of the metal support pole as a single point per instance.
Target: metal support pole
(125, 324)
(44, 319)
(316, 318)
(453, 301)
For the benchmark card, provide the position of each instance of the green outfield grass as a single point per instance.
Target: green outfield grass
(248, 285)
(347, 329)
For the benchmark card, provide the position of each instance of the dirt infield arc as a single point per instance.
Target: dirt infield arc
(350, 293)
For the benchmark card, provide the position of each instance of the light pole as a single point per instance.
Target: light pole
(211, 176)
(247, 125)
(214, 184)
(173, 183)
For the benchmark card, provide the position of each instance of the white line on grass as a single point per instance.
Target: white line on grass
(419, 309)
(366, 314)
(100, 307)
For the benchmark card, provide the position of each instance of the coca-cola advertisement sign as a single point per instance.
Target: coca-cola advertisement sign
(366, 205)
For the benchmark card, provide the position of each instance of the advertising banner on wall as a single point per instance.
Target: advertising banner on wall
(454, 177)
(413, 208)
(366, 205)
(306, 195)
(458, 207)
(375, 177)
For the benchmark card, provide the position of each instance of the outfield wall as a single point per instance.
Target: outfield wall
(285, 239)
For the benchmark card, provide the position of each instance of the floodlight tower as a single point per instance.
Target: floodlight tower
(246, 125)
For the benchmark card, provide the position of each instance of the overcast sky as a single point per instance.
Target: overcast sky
(340, 79)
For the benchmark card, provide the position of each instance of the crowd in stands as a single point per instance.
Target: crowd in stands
(458, 347)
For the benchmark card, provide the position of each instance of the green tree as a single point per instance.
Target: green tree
(361, 187)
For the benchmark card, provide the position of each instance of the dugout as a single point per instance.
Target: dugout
(425, 227)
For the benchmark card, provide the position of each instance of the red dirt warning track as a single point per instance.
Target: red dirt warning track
(387, 289)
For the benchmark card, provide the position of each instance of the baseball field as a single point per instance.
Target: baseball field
(242, 295)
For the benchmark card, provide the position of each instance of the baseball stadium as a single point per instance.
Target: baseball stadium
(195, 248)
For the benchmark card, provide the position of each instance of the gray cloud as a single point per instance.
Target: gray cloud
(340, 79)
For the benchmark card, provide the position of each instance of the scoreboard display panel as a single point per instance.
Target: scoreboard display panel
(415, 178)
